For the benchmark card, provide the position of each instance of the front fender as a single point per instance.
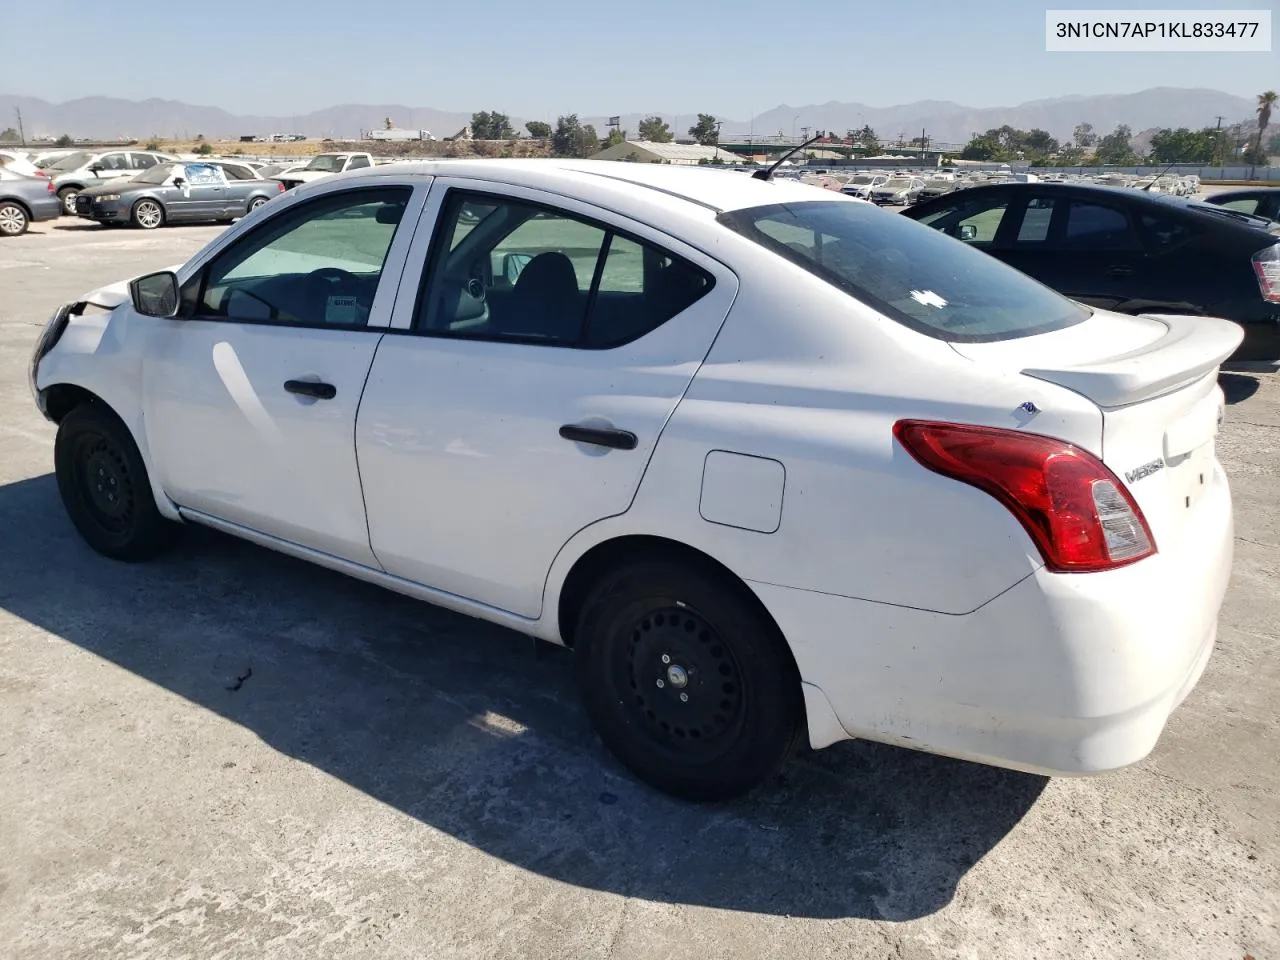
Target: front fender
(101, 354)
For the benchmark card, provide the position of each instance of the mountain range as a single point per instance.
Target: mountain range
(943, 120)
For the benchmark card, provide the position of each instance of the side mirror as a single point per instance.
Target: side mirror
(178, 182)
(156, 294)
(513, 264)
(968, 231)
(96, 168)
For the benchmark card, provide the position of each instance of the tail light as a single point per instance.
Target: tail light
(281, 186)
(1266, 264)
(1076, 511)
(48, 187)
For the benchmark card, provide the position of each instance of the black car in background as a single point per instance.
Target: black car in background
(1128, 250)
(1260, 201)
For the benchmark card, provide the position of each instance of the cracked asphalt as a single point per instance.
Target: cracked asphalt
(229, 754)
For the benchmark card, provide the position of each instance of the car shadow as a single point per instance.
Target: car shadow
(1237, 386)
(462, 726)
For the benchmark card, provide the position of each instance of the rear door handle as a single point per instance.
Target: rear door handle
(312, 388)
(600, 436)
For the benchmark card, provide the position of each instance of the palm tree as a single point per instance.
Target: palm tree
(1265, 102)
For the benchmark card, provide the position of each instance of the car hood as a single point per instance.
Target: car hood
(118, 185)
(113, 294)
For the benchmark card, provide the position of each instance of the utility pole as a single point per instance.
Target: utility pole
(22, 134)
(1221, 159)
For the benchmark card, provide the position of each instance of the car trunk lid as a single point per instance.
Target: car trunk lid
(1154, 378)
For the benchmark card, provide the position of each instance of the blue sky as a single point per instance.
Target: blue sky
(540, 58)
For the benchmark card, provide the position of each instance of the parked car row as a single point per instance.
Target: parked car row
(848, 477)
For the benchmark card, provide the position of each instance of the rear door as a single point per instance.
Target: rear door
(1087, 247)
(543, 345)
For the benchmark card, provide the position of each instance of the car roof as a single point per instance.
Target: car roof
(715, 190)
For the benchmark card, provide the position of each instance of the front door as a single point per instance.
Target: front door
(538, 361)
(206, 193)
(250, 400)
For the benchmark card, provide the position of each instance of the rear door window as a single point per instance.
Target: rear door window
(1246, 205)
(907, 271)
(1036, 218)
(1097, 226)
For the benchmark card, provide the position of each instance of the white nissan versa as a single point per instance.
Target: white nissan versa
(772, 461)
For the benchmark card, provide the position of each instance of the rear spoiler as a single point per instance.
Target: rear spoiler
(1192, 348)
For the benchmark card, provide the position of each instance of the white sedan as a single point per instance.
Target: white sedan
(773, 462)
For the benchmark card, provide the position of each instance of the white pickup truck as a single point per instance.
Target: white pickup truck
(324, 165)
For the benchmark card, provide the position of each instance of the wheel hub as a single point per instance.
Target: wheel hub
(107, 485)
(683, 679)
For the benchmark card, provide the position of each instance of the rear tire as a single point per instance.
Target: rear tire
(13, 219)
(68, 197)
(104, 486)
(255, 203)
(689, 685)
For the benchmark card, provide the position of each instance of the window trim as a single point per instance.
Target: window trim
(193, 290)
(439, 246)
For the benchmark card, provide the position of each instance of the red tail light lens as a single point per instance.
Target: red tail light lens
(1076, 511)
(1266, 264)
(48, 187)
(281, 186)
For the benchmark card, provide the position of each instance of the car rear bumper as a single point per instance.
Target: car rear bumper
(1060, 674)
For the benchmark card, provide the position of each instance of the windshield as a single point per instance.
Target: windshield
(157, 174)
(862, 179)
(911, 273)
(898, 182)
(326, 163)
(72, 161)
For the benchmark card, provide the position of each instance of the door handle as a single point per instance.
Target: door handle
(312, 388)
(600, 436)
(1120, 270)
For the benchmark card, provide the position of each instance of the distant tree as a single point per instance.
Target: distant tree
(981, 147)
(1084, 137)
(1273, 145)
(1039, 143)
(704, 131)
(64, 141)
(615, 137)
(654, 129)
(204, 149)
(538, 130)
(152, 144)
(572, 139)
(1184, 145)
(866, 137)
(1255, 157)
(199, 138)
(1265, 102)
(491, 126)
(10, 135)
(1115, 147)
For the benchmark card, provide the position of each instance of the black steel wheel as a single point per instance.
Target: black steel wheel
(688, 682)
(104, 486)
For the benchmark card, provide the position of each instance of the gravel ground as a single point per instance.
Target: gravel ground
(230, 754)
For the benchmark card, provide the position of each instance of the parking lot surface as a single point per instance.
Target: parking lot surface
(226, 753)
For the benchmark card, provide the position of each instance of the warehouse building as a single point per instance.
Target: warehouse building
(646, 151)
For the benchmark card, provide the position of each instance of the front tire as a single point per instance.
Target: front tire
(104, 486)
(13, 219)
(688, 683)
(68, 197)
(148, 214)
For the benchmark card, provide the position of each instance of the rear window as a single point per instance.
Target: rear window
(908, 271)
